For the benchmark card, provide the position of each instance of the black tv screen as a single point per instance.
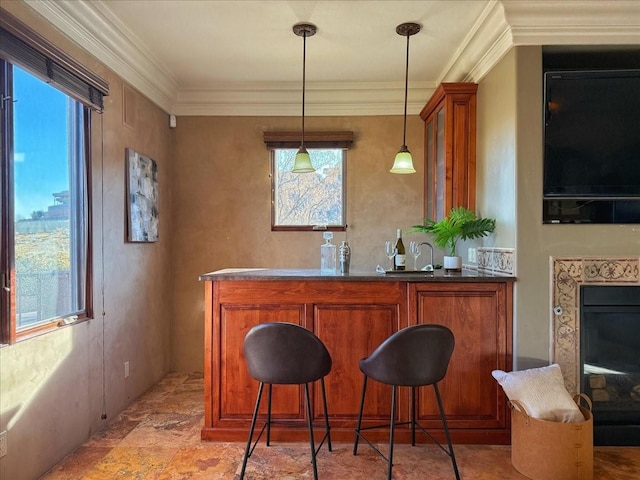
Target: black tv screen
(592, 134)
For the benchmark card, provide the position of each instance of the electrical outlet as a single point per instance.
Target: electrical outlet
(3, 443)
(126, 369)
(472, 255)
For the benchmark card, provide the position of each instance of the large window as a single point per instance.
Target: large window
(307, 201)
(45, 138)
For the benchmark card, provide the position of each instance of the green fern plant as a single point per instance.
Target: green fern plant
(460, 224)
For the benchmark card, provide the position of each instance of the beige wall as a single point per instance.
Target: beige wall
(496, 142)
(221, 193)
(510, 188)
(51, 386)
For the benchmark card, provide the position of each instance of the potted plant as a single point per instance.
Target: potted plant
(460, 224)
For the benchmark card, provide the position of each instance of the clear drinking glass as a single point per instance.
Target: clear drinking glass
(390, 251)
(415, 251)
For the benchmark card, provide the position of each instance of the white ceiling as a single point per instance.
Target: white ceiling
(241, 57)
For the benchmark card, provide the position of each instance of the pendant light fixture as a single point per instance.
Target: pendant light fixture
(403, 162)
(302, 163)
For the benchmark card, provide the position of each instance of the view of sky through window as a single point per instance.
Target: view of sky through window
(46, 239)
(40, 158)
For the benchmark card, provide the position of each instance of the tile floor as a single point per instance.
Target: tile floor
(158, 437)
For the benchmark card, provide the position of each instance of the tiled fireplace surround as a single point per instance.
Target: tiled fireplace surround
(567, 275)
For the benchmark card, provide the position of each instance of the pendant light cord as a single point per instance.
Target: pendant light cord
(304, 74)
(406, 88)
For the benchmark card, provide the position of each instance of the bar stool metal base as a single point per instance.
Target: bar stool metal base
(389, 459)
(267, 426)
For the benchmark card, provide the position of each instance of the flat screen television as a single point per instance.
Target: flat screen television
(592, 134)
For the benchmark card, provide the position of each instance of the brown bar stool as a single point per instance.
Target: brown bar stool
(286, 354)
(412, 357)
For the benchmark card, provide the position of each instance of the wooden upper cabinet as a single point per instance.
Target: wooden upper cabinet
(450, 149)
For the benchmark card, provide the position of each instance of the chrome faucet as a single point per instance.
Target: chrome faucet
(431, 248)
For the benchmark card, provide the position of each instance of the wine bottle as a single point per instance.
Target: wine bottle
(399, 261)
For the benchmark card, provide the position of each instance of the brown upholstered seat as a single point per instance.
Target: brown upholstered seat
(414, 356)
(286, 354)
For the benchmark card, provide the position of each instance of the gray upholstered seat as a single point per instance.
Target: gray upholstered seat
(414, 356)
(286, 354)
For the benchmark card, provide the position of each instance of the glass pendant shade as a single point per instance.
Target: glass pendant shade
(302, 163)
(403, 163)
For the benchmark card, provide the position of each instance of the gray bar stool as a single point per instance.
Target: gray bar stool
(286, 354)
(412, 357)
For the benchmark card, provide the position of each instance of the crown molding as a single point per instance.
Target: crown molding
(577, 22)
(90, 26)
(264, 109)
(502, 25)
(508, 23)
(322, 99)
(483, 47)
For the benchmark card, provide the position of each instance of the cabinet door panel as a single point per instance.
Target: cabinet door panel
(352, 332)
(476, 316)
(237, 389)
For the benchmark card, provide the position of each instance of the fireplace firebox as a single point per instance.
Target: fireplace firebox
(610, 360)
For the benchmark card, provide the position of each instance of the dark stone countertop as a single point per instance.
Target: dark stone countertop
(269, 274)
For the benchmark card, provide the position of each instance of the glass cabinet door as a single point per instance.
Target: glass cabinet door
(435, 181)
(441, 168)
(429, 169)
(450, 153)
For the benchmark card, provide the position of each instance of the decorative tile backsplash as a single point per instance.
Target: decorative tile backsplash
(496, 260)
(567, 274)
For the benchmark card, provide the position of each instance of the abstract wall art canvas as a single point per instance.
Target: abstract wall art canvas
(142, 195)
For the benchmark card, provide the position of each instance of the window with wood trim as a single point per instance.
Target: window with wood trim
(309, 201)
(47, 99)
